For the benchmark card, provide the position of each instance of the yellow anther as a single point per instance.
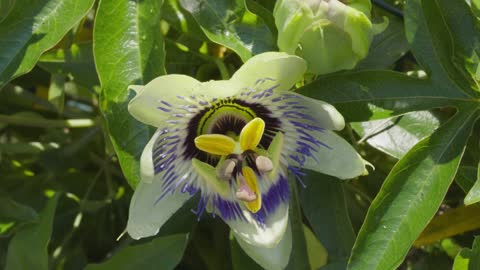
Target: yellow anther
(251, 134)
(251, 181)
(215, 144)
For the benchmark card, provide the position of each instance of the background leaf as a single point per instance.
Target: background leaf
(28, 248)
(324, 206)
(396, 136)
(436, 37)
(161, 253)
(369, 95)
(227, 22)
(28, 32)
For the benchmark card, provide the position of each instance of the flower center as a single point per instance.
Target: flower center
(241, 161)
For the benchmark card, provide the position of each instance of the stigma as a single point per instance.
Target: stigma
(242, 163)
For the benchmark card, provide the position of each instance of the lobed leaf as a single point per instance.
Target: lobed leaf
(369, 95)
(441, 42)
(396, 136)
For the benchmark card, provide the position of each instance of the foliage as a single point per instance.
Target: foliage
(69, 149)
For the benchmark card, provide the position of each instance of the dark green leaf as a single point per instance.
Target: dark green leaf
(227, 22)
(369, 95)
(387, 47)
(240, 259)
(77, 61)
(5, 7)
(466, 177)
(299, 255)
(468, 259)
(161, 253)
(10, 210)
(324, 207)
(33, 27)
(441, 41)
(396, 136)
(408, 199)
(129, 49)
(28, 248)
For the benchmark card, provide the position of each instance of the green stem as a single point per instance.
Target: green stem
(349, 130)
(223, 69)
(45, 123)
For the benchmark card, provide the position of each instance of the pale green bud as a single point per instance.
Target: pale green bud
(330, 35)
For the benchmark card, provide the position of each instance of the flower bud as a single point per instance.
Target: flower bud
(330, 35)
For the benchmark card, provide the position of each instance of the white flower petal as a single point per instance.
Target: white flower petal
(256, 235)
(145, 105)
(276, 68)
(146, 216)
(339, 160)
(274, 258)
(220, 89)
(147, 213)
(317, 112)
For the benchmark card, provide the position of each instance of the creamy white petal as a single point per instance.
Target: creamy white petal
(271, 68)
(337, 158)
(150, 105)
(254, 234)
(146, 215)
(274, 258)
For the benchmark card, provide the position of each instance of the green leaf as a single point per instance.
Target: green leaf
(5, 7)
(396, 136)
(468, 259)
(299, 255)
(128, 49)
(229, 23)
(240, 260)
(263, 12)
(473, 195)
(28, 248)
(369, 95)
(387, 47)
(324, 206)
(76, 61)
(161, 253)
(11, 210)
(466, 177)
(31, 28)
(408, 199)
(441, 42)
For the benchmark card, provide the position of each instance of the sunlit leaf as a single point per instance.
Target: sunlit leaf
(396, 136)
(408, 200)
(31, 28)
(129, 49)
